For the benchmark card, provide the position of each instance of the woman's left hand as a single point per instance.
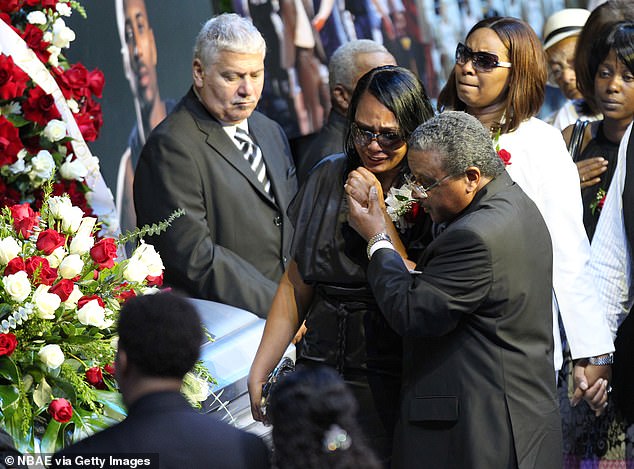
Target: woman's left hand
(358, 186)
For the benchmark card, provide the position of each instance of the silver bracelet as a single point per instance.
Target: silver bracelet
(602, 361)
(375, 239)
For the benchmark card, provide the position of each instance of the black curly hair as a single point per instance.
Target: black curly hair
(308, 409)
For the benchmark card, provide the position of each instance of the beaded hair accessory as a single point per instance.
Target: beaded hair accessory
(336, 438)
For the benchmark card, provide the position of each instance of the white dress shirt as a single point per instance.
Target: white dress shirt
(610, 256)
(542, 167)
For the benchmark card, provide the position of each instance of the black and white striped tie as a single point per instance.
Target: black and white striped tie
(253, 155)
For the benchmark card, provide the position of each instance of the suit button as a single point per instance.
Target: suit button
(278, 221)
(285, 260)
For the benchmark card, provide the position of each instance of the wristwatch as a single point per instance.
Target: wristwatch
(375, 239)
(602, 360)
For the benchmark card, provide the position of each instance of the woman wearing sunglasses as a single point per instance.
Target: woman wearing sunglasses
(325, 284)
(500, 77)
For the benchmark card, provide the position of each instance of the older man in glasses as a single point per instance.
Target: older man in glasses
(475, 315)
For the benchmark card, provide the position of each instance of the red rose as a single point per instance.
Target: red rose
(24, 219)
(104, 252)
(12, 79)
(85, 299)
(505, 156)
(125, 295)
(10, 6)
(10, 143)
(77, 79)
(34, 37)
(40, 107)
(96, 81)
(154, 280)
(49, 240)
(8, 343)
(61, 410)
(15, 265)
(40, 271)
(413, 213)
(95, 377)
(63, 288)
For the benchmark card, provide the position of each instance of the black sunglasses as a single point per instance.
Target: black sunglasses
(482, 61)
(387, 140)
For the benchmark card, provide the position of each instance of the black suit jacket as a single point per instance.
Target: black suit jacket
(233, 243)
(165, 424)
(478, 381)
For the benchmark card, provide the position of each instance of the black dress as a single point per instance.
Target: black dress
(345, 328)
(598, 146)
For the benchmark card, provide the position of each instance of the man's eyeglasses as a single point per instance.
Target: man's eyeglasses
(422, 190)
(386, 140)
(482, 61)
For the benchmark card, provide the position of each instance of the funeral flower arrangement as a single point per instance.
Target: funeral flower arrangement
(35, 138)
(61, 289)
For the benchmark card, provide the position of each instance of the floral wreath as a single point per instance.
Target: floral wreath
(47, 108)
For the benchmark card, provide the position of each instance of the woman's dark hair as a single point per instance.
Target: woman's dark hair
(314, 423)
(528, 72)
(592, 42)
(611, 36)
(399, 90)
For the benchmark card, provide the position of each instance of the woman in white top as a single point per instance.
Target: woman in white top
(499, 77)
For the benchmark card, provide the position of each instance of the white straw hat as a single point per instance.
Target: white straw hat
(563, 24)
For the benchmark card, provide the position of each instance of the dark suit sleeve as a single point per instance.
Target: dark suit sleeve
(168, 178)
(455, 279)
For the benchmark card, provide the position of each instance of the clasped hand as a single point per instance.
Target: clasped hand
(592, 385)
(365, 202)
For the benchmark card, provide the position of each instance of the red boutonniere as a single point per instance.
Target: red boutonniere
(504, 155)
(597, 204)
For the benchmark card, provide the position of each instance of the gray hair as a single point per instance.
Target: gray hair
(227, 32)
(342, 68)
(461, 140)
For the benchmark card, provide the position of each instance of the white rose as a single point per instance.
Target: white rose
(45, 302)
(17, 286)
(55, 258)
(36, 17)
(63, 9)
(73, 170)
(9, 249)
(71, 219)
(150, 290)
(42, 165)
(55, 130)
(73, 298)
(62, 35)
(148, 256)
(71, 266)
(51, 355)
(59, 205)
(135, 271)
(92, 314)
(81, 244)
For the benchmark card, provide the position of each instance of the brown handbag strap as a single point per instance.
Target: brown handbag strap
(576, 139)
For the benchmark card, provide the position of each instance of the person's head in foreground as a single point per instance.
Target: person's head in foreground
(314, 422)
(159, 342)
